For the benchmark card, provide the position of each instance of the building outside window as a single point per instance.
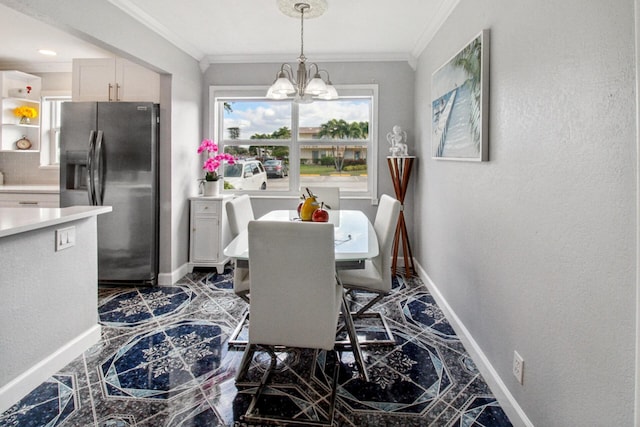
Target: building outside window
(324, 143)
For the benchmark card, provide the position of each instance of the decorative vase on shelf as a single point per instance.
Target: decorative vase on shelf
(211, 188)
(25, 120)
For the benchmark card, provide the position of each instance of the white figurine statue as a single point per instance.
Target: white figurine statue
(395, 138)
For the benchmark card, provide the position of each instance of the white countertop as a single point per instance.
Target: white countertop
(20, 220)
(37, 188)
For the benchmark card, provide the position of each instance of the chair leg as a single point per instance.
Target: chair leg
(361, 314)
(367, 306)
(263, 383)
(334, 388)
(353, 338)
(244, 295)
(246, 360)
(234, 342)
(250, 416)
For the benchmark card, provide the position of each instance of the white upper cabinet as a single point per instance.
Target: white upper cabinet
(113, 79)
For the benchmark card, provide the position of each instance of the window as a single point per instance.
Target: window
(51, 110)
(325, 143)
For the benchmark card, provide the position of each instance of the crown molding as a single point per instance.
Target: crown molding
(444, 10)
(145, 19)
(441, 15)
(334, 57)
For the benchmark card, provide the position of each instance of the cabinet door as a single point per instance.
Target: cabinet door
(204, 235)
(26, 200)
(91, 79)
(136, 83)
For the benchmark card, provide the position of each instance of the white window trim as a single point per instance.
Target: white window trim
(216, 134)
(47, 145)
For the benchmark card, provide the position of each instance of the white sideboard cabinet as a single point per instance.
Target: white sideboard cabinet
(210, 232)
(113, 79)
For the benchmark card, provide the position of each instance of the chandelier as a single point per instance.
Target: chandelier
(307, 82)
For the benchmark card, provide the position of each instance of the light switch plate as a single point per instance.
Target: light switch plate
(65, 238)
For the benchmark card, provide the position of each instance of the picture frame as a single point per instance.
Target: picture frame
(460, 104)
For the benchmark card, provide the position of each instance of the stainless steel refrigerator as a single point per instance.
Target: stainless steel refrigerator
(109, 156)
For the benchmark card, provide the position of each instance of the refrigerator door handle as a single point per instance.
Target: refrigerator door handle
(99, 177)
(91, 191)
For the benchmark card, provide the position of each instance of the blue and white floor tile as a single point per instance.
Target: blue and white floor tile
(164, 360)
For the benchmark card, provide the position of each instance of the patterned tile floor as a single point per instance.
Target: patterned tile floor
(164, 360)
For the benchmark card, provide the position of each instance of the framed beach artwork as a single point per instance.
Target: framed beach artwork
(460, 104)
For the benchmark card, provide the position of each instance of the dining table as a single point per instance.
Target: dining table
(355, 242)
(355, 237)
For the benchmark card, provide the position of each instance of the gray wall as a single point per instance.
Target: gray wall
(46, 308)
(535, 249)
(396, 102)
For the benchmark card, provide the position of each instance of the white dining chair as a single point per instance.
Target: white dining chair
(239, 213)
(376, 275)
(329, 195)
(294, 303)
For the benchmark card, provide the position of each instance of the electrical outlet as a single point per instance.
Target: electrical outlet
(518, 367)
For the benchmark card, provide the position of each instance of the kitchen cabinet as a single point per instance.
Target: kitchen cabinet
(19, 89)
(29, 200)
(113, 79)
(210, 232)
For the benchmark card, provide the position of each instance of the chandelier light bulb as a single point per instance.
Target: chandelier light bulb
(305, 84)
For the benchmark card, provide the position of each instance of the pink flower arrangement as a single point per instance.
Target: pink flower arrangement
(214, 161)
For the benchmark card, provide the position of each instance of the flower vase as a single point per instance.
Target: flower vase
(25, 120)
(211, 188)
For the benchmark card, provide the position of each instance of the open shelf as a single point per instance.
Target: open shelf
(11, 129)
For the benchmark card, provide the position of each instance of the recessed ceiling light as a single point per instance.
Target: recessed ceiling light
(47, 52)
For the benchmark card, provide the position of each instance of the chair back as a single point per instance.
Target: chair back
(295, 298)
(239, 213)
(385, 227)
(329, 195)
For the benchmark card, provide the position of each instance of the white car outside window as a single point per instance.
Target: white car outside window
(246, 175)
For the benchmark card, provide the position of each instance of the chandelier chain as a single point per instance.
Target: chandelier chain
(302, 9)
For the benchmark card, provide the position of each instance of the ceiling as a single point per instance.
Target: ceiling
(22, 37)
(243, 31)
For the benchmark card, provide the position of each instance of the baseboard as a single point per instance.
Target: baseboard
(498, 387)
(20, 386)
(167, 279)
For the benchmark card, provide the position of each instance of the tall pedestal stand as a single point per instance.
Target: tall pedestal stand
(400, 168)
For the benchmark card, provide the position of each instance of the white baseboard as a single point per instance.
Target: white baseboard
(498, 387)
(24, 383)
(167, 279)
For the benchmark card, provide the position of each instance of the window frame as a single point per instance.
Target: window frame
(48, 132)
(216, 132)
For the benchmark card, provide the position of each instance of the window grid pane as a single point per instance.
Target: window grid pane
(320, 144)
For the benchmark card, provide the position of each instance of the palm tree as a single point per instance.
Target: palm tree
(234, 132)
(469, 59)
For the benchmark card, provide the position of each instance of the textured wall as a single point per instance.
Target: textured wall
(48, 298)
(535, 250)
